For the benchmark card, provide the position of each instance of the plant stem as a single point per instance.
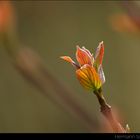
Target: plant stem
(107, 112)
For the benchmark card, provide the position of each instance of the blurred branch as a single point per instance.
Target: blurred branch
(128, 21)
(133, 10)
(32, 68)
(30, 65)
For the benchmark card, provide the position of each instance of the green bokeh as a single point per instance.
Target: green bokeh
(53, 29)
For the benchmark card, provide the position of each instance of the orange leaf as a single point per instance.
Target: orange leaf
(68, 59)
(99, 55)
(88, 77)
(83, 56)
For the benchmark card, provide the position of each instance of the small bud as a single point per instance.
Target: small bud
(88, 77)
(89, 71)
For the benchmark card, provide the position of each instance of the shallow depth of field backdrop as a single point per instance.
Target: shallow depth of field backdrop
(53, 29)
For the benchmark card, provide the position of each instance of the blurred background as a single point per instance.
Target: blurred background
(53, 29)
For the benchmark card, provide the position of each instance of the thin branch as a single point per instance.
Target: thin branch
(33, 68)
(109, 115)
(30, 65)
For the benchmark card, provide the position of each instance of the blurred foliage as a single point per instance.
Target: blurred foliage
(54, 28)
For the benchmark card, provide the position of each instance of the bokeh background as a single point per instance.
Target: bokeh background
(52, 29)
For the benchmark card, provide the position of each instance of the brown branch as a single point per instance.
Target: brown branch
(109, 115)
(30, 65)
